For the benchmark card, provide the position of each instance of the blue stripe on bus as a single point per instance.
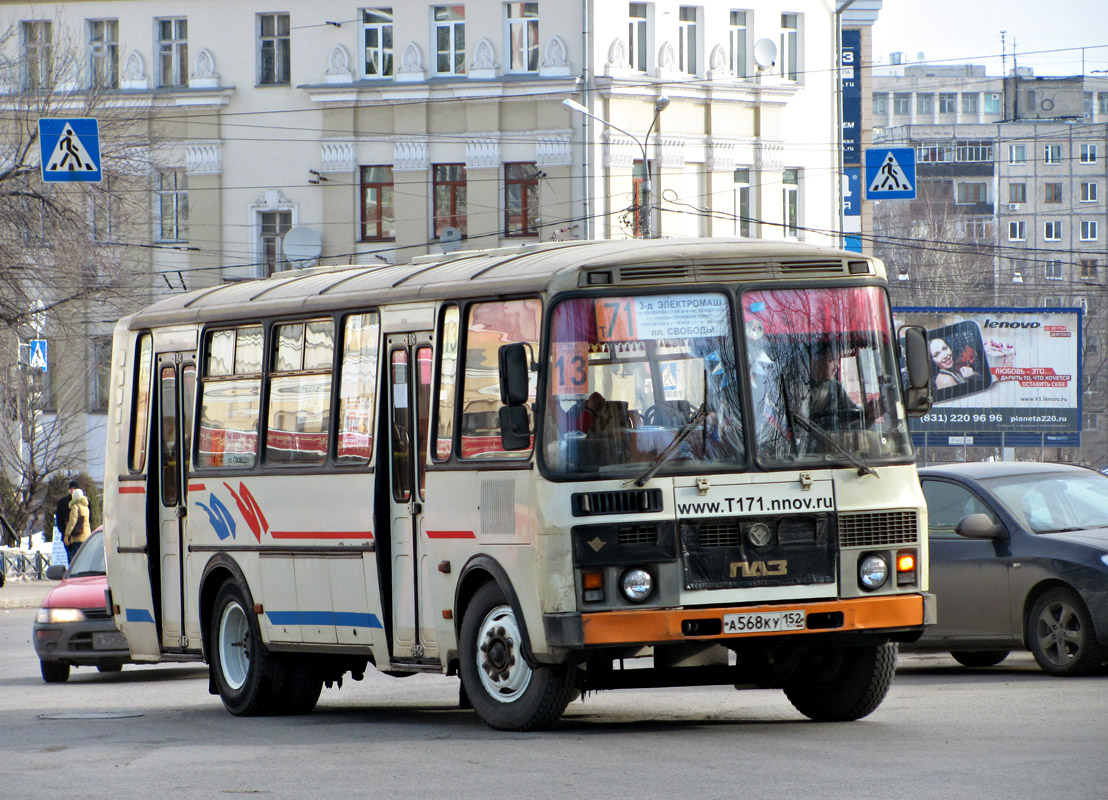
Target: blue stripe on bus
(139, 615)
(344, 619)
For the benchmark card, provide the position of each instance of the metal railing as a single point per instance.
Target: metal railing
(21, 565)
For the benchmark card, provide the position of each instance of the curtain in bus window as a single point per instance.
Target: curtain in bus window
(300, 393)
(492, 325)
(358, 388)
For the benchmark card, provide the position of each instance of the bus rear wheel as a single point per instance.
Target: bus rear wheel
(844, 683)
(505, 691)
(240, 663)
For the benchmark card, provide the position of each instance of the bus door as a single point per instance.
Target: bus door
(409, 365)
(176, 388)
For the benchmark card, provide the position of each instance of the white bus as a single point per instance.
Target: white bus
(549, 470)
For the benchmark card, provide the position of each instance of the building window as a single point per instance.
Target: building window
(103, 47)
(924, 103)
(973, 151)
(948, 103)
(449, 191)
(1017, 192)
(378, 212)
(274, 46)
(38, 54)
(171, 205)
(742, 202)
(1088, 154)
(790, 201)
(1017, 232)
(1052, 154)
(1088, 269)
(972, 193)
(523, 37)
(377, 42)
(273, 225)
(521, 199)
(934, 153)
(880, 102)
(1052, 231)
(969, 103)
(173, 52)
(1088, 230)
(686, 39)
(1053, 192)
(737, 41)
(901, 103)
(1102, 103)
(992, 103)
(1054, 270)
(1054, 301)
(1017, 154)
(636, 36)
(1088, 192)
(450, 40)
(790, 47)
(100, 377)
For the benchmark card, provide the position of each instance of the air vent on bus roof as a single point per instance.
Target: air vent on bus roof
(655, 274)
(823, 266)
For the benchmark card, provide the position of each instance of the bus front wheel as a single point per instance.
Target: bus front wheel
(843, 683)
(505, 691)
(240, 663)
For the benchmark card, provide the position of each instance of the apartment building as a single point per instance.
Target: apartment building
(382, 132)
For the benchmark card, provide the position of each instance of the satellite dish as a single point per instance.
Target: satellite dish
(301, 246)
(765, 53)
(450, 239)
(920, 56)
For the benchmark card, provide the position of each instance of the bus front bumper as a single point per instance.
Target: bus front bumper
(642, 626)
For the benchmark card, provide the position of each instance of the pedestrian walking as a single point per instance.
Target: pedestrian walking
(61, 513)
(77, 529)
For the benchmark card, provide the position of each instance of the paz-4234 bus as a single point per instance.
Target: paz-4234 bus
(548, 470)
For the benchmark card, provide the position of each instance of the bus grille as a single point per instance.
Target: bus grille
(719, 533)
(638, 534)
(635, 501)
(878, 528)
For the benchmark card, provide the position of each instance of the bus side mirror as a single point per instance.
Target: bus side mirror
(918, 395)
(515, 431)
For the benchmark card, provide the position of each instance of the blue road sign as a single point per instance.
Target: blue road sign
(38, 357)
(890, 173)
(70, 149)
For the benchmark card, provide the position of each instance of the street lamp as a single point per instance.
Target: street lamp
(660, 105)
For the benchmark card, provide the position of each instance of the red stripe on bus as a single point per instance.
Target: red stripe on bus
(451, 535)
(197, 487)
(132, 490)
(321, 534)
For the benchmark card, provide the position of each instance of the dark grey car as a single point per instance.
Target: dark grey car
(1018, 560)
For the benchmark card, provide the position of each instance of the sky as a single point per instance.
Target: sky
(1046, 34)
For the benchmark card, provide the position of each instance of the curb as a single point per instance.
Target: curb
(24, 594)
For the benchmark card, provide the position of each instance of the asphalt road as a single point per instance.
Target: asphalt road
(154, 732)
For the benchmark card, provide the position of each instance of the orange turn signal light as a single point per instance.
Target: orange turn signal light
(593, 580)
(905, 562)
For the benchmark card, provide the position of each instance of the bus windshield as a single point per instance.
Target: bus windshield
(638, 380)
(823, 376)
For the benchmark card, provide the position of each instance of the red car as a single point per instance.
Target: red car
(73, 628)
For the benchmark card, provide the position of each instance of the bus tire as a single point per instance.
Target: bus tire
(242, 667)
(298, 684)
(506, 692)
(845, 683)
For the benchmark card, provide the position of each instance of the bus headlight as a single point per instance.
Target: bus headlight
(636, 584)
(873, 571)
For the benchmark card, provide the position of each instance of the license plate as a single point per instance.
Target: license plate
(109, 641)
(767, 622)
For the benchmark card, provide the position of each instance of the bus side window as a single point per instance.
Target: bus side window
(448, 384)
(491, 325)
(230, 398)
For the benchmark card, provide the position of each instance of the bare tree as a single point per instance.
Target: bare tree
(71, 254)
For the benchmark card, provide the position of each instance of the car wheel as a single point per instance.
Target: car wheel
(241, 665)
(979, 658)
(843, 683)
(505, 691)
(54, 671)
(110, 667)
(1061, 636)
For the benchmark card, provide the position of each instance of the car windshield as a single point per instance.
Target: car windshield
(1052, 502)
(90, 559)
(823, 375)
(638, 383)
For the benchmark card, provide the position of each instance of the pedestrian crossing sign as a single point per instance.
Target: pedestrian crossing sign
(38, 359)
(70, 149)
(890, 173)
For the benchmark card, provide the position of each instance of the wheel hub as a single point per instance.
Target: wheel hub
(499, 659)
(504, 674)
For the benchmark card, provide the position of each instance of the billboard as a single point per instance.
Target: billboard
(1001, 369)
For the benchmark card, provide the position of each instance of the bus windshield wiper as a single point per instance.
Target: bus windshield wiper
(812, 427)
(681, 435)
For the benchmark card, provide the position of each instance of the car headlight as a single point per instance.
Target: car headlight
(1104, 558)
(636, 584)
(57, 616)
(873, 572)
